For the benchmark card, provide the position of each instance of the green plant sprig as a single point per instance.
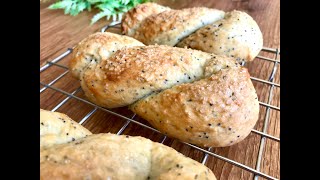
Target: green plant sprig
(107, 8)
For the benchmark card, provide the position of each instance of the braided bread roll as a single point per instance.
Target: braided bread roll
(109, 156)
(197, 97)
(58, 128)
(233, 34)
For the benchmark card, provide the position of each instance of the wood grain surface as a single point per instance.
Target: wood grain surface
(59, 32)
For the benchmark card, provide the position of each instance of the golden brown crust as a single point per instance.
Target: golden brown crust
(217, 111)
(133, 18)
(97, 47)
(132, 73)
(169, 27)
(234, 34)
(58, 128)
(135, 72)
(109, 156)
(103, 156)
(237, 35)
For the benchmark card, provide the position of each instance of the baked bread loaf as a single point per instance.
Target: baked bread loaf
(233, 34)
(217, 111)
(91, 50)
(237, 35)
(197, 97)
(110, 156)
(134, 17)
(58, 128)
(167, 26)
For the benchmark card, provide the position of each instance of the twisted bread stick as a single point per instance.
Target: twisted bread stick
(233, 34)
(197, 97)
(109, 156)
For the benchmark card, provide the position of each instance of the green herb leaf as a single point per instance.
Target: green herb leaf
(108, 8)
(100, 15)
(60, 5)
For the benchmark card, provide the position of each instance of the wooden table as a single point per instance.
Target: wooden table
(59, 32)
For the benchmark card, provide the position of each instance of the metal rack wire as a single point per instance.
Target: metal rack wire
(207, 152)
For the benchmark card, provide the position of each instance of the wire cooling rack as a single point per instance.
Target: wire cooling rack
(207, 152)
